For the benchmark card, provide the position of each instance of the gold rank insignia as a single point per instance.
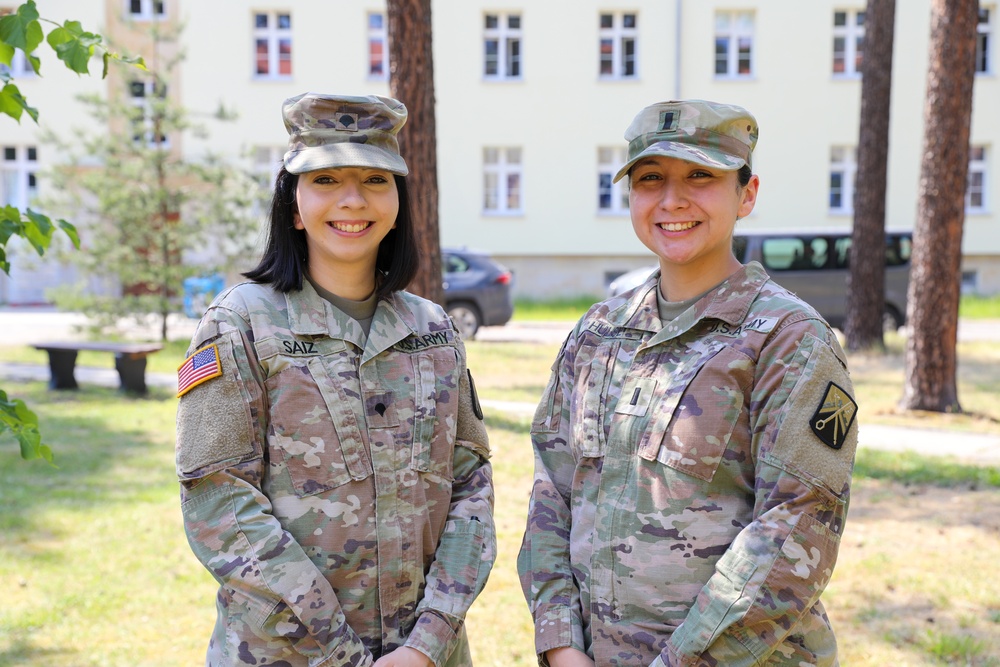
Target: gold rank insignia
(834, 416)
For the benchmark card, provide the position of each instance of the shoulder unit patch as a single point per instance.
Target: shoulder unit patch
(834, 416)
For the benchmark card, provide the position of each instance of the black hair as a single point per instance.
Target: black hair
(743, 175)
(286, 254)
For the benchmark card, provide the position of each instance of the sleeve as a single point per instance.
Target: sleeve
(543, 563)
(768, 582)
(467, 549)
(274, 588)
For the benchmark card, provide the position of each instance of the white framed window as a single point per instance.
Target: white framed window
(848, 41)
(502, 180)
(18, 183)
(272, 37)
(984, 42)
(734, 52)
(502, 46)
(378, 47)
(145, 10)
(618, 37)
(843, 167)
(612, 198)
(147, 98)
(266, 162)
(975, 190)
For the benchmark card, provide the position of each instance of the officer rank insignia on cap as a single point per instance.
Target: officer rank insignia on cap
(834, 416)
(346, 122)
(200, 367)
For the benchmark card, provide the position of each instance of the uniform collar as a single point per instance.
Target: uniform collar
(729, 302)
(309, 314)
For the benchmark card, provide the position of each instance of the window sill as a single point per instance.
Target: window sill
(736, 77)
(618, 79)
(284, 78)
(839, 212)
(611, 215)
(854, 76)
(503, 79)
(503, 214)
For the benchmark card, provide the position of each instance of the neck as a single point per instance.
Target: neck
(680, 285)
(354, 282)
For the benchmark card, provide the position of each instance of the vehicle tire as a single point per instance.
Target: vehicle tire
(892, 320)
(466, 317)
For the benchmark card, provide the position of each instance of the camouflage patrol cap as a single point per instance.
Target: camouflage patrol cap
(327, 131)
(715, 135)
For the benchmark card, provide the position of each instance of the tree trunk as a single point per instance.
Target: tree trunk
(411, 80)
(935, 277)
(866, 282)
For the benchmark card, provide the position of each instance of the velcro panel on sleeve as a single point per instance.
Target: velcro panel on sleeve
(214, 423)
(470, 430)
(797, 448)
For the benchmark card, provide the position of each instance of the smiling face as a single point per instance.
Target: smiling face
(685, 213)
(345, 213)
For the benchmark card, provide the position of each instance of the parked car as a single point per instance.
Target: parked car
(815, 265)
(478, 291)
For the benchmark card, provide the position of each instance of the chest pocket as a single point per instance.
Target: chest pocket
(419, 392)
(315, 404)
(694, 417)
(589, 400)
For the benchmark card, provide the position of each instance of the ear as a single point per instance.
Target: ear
(748, 198)
(297, 219)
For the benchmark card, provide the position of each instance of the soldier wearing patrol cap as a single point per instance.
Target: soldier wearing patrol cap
(330, 447)
(694, 445)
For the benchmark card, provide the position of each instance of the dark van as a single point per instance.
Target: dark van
(816, 265)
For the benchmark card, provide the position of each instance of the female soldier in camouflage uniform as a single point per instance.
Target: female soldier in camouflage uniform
(331, 451)
(694, 446)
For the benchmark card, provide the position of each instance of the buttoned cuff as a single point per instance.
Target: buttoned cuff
(434, 635)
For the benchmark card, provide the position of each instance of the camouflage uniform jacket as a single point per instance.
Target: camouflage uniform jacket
(322, 486)
(684, 509)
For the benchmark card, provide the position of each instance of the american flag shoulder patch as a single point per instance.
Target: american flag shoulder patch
(200, 367)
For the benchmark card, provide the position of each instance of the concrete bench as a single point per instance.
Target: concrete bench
(130, 362)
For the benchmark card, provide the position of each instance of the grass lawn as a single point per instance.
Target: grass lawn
(95, 570)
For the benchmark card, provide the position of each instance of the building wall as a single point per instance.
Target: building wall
(559, 112)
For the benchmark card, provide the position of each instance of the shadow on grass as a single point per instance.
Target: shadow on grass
(23, 653)
(506, 422)
(109, 448)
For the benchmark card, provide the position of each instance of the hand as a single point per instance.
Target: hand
(568, 656)
(404, 656)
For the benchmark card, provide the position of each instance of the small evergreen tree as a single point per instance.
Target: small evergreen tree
(150, 216)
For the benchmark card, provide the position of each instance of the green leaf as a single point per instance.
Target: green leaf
(6, 53)
(21, 29)
(13, 103)
(37, 229)
(4, 264)
(74, 46)
(71, 232)
(36, 63)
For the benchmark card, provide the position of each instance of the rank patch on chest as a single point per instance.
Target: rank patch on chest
(834, 416)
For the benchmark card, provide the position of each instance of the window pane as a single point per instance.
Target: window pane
(604, 155)
(158, 8)
(840, 18)
(137, 89)
(607, 21)
(745, 55)
(604, 191)
(490, 195)
(135, 6)
(721, 55)
(263, 67)
(284, 21)
(492, 49)
(514, 22)
(744, 22)
(260, 20)
(606, 65)
(285, 56)
(977, 153)
(513, 57)
(33, 155)
(491, 21)
(860, 18)
(491, 155)
(628, 66)
(513, 156)
(513, 192)
(375, 21)
(628, 21)
(9, 153)
(859, 52)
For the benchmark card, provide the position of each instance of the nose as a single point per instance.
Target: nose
(673, 195)
(351, 195)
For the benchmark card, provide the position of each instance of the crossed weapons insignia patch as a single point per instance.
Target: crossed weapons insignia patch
(834, 416)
